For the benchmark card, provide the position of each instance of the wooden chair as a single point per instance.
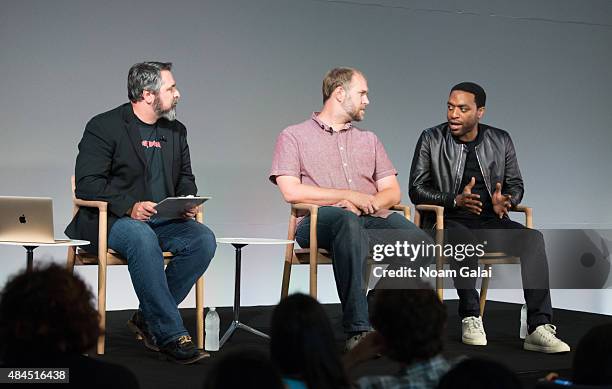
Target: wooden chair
(108, 257)
(312, 255)
(487, 260)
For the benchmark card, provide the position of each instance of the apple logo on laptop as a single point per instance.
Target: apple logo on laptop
(22, 219)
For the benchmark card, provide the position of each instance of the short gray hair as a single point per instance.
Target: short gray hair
(145, 76)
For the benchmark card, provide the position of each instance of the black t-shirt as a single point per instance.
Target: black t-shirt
(152, 146)
(472, 169)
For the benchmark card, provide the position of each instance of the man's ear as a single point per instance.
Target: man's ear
(339, 93)
(480, 112)
(148, 96)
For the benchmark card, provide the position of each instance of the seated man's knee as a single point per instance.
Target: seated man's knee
(133, 236)
(204, 243)
(348, 220)
(533, 242)
(535, 235)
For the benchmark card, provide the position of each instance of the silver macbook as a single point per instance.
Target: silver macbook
(26, 219)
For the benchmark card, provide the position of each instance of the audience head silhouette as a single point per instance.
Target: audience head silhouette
(593, 358)
(303, 344)
(479, 374)
(48, 310)
(244, 369)
(411, 321)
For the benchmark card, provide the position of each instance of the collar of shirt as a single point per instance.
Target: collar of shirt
(325, 127)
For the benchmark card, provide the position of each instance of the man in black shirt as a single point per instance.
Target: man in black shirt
(133, 157)
(471, 169)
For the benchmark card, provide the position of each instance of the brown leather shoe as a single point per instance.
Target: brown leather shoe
(139, 327)
(183, 351)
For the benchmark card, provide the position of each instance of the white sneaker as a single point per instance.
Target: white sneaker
(472, 331)
(543, 340)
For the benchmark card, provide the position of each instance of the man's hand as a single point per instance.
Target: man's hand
(469, 200)
(348, 206)
(190, 213)
(501, 202)
(365, 202)
(143, 210)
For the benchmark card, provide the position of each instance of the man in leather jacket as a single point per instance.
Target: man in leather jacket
(471, 170)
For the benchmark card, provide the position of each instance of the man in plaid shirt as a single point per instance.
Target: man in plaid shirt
(408, 327)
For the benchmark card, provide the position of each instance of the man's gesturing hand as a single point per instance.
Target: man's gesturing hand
(501, 202)
(469, 200)
(143, 210)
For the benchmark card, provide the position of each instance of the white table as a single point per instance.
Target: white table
(238, 244)
(30, 246)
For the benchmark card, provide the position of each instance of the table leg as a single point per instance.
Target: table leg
(30, 257)
(237, 282)
(228, 334)
(235, 323)
(236, 320)
(253, 330)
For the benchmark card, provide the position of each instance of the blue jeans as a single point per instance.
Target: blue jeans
(142, 243)
(349, 239)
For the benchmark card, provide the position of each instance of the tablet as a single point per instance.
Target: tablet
(175, 207)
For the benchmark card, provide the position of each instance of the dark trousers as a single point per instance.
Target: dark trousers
(349, 238)
(528, 244)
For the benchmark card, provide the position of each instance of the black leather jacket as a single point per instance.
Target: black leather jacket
(438, 163)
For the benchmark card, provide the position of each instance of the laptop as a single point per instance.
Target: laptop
(26, 219)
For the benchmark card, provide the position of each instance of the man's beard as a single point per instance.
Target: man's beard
(169, 114)
(353, 112)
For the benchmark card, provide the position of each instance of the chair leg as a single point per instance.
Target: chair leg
(483, 290)
(439, 280)
(286, 279)
(70, 258)
(313, 278)
(101, 307)
(440, 288)
(439, 260)
(368, 275)
(200, 312)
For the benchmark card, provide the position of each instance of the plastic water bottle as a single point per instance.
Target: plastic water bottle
(211, 327)
(523, 330)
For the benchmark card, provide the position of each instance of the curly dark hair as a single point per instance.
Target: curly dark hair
(593, 357)
(302, 343)
(411, 321)
(477, 373)
(48, 310)
(244, 368)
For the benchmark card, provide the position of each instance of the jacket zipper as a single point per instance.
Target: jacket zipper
(484, 176)
(457, 177)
